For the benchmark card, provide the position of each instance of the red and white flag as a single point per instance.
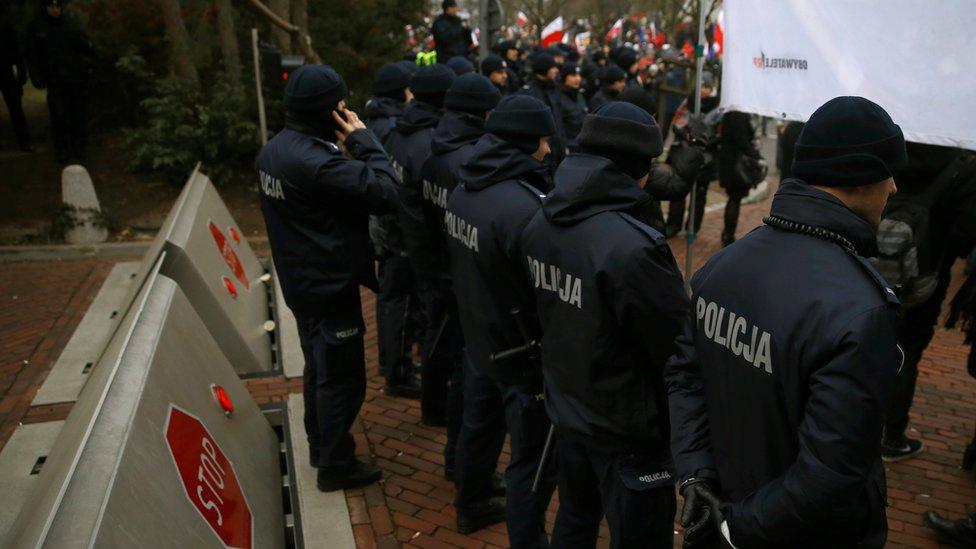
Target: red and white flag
(553, 33)
(521, 19)
(615, 30)
(718, 35)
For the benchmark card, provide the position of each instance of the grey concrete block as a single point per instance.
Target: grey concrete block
(29, 444)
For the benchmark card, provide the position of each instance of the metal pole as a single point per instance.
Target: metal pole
(485, 38)
(257, 81)
(699, 65)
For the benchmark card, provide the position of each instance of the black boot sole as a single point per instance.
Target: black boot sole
(348, 483)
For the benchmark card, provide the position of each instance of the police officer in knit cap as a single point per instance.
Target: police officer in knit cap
(627, 60)
(542, 85)
(500, 187)
(409, 147)
(572, 105)
(495, 68)
(467, 103)
(390, 97)
(778, 396)
(613, 80)
(610, 301)
(315, 200)
(460, 65)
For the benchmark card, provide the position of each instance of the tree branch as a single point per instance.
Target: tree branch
(301, 37)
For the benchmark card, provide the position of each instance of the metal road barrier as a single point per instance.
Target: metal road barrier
(165, 446)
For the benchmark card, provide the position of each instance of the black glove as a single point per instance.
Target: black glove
(701, 515)
(687, 160)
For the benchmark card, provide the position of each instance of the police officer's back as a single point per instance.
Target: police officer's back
(610, 301)
(316, 204)
(778, 392)
(388, 101)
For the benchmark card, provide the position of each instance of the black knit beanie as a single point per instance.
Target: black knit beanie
(492, 63)
(567, 69)
(849, 142)
(521, 120)
(314, 88)
(626, 58)
(542, 62)
(460, 65)
(390, 78)
(611, 74)
(473, 94)
(626, 134)
(431, 83)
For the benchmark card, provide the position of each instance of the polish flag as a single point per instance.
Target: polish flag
(553, 33)
(521, 19)
(718, 36)
(615, 30)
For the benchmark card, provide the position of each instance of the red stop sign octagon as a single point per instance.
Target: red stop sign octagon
(209, 479)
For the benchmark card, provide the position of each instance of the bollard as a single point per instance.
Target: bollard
(81, 207)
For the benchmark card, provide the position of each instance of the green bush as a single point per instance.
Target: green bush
(184, 124)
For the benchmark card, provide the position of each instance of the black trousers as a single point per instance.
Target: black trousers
(915, 332)
(676, 208)
(732, 208)
(68, 107)
(480, 441)
(442, 374)
(12, 93)
(335, 382)
(396, 305)
(593, 484)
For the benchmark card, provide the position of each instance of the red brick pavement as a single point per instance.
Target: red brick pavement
(412, 506)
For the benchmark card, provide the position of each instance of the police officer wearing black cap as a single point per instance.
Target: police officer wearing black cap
(542, 85)
(451, 37)
(390, 97)
(496, 69)
(613, 80)
(610, 300)
(467, 103)
(316, 204)
(572, 106)
(778, 395)
(409, 147)
(500, 187)
(508, 50)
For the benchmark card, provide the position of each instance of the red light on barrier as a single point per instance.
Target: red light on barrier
(231, 288)
(234, 234)
(223, 399)
(284, 76)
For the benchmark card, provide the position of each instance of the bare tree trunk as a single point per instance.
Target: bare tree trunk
(228, 41)
(301, 38)
(299, 15)
(181, 58)
(281, 36)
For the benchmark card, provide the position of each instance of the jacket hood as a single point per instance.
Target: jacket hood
(586, 185)
(455, 130)
(800, 203)
(383, 107)
(416, 117)
(495, 160)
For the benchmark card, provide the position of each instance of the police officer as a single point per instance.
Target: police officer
(495, 68)
(58, 55)
(467, 103)
(316, 205)
(508, 50)
(572, 106)
(451, 38)
(542, 85)
(11, 82)
(409, 147)
(778, 395)
(613, 80)
(390, 97)
(610, 301)
(501, 187)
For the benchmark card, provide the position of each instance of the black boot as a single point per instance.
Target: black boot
(960, 532)
(408, 388)
(472, 521)
(354, 475)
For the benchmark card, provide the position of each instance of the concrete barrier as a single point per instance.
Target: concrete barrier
(149, 455)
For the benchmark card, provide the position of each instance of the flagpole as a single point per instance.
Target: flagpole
(699, 65)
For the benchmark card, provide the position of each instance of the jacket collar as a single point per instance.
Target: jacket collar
(801, 203)
(587, 185)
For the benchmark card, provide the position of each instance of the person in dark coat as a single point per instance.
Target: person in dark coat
(738, 140)
(316, 205)
(708, 172)
(610, 301)
(496, 69)
(778, 396)
(500, 188)
(13, 76)
(784, 146)
(508, 51)
(572, 106)
(390, 97)
(542, 85)
(396, 302)
(451, 37)
(58, 56)
(467, 104)
(612, 82)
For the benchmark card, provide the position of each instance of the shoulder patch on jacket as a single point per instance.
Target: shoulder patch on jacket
(656, 237)
(534, 191)
(874, 275)
(328, 145)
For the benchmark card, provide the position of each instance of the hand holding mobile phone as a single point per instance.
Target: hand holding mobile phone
(348, 122)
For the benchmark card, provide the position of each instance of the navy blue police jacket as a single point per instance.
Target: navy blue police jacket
(500, 189)
(610, 301)
(545, 91)
(781, 380)
(316, 205)
(382, 115)
(409, 147)
(451, 145)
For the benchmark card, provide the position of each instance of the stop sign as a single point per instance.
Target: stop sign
(209, 479)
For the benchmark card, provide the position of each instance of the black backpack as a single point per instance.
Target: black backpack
(907, 257)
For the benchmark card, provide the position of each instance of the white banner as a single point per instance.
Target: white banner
(915, 58)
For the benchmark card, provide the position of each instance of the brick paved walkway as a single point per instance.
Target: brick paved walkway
(413, 505)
